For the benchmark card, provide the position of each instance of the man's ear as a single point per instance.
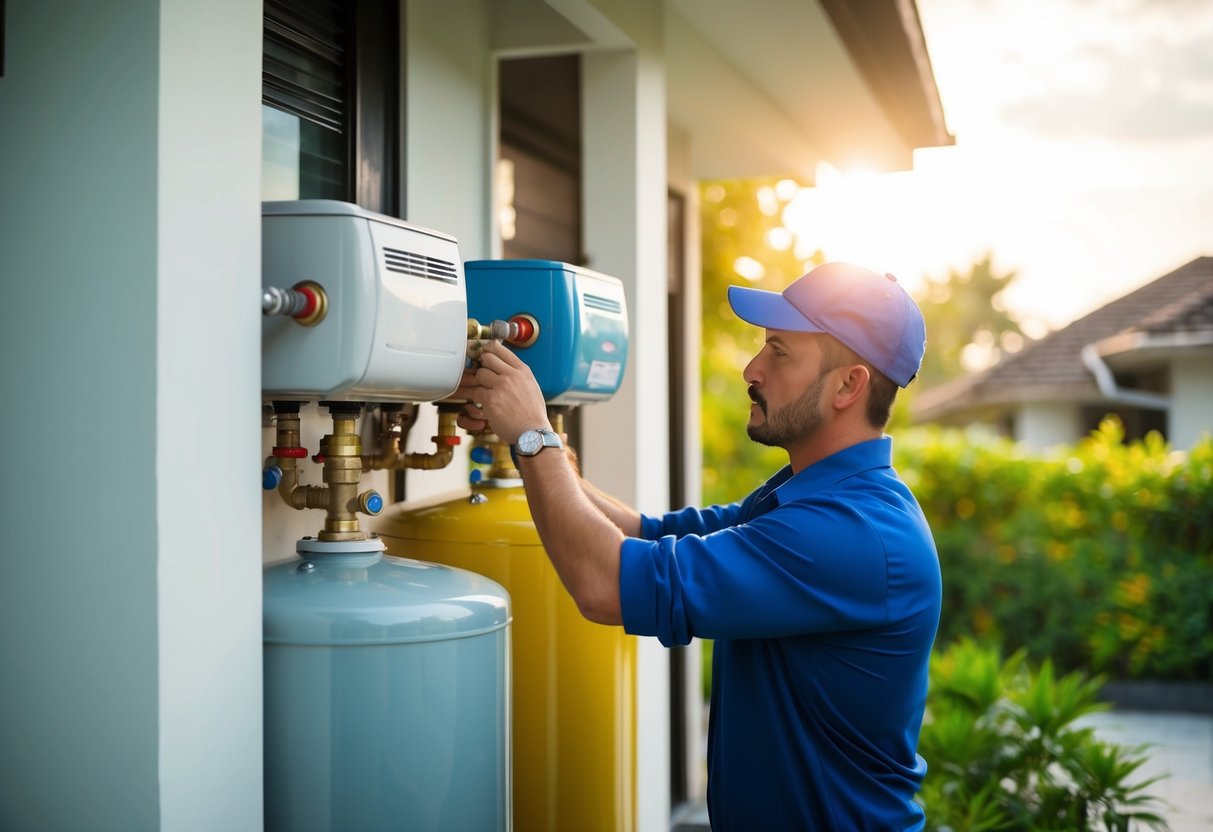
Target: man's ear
(853, 381)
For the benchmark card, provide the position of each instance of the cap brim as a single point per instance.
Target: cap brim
(770, 310)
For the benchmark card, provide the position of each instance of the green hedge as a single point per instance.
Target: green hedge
(1099, 558)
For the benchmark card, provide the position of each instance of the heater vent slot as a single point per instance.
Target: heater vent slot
(418, 265)
(604, 304)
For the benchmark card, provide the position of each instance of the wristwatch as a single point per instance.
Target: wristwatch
(531, 442)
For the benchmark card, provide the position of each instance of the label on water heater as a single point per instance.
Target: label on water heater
(604, 374)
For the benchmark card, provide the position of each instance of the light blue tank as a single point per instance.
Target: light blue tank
(386, 694)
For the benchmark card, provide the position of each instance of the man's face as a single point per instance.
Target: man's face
(785, 386)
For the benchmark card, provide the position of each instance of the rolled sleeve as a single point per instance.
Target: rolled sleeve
(651, 598)
(650, 527)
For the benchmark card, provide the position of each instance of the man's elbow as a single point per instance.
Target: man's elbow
(601, 607)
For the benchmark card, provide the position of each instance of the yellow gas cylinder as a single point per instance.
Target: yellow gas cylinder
(574, 682)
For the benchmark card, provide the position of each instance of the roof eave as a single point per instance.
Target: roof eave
(777, 93)
(886, 41)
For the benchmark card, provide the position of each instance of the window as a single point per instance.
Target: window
(330, 102)
(539, 172)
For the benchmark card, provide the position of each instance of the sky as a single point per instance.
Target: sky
(1083, 159)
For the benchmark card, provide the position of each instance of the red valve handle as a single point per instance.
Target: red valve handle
(309, 308)
(290, 453)
(317, 303)
(528, 330)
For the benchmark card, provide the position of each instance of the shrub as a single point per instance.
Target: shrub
(1098, 557)
(1003, 750)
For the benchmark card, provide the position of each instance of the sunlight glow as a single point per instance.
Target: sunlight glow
(862, 217)
(780, 238)
(749, 268)
(768, 203)
(785, 189)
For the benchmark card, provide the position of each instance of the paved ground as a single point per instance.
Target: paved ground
(1182, 747)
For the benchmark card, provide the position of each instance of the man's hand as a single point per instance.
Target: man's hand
(502, 393)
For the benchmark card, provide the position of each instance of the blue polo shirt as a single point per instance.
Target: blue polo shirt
(822, 592)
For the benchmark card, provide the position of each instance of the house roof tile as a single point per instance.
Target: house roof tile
(1181, 301)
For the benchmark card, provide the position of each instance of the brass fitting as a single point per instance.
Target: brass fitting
(522, 330)
(503, 461)
(391, 456)
(286, 455)
(341, 452)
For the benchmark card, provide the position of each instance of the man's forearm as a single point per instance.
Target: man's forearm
(623, 516)
(582, 541)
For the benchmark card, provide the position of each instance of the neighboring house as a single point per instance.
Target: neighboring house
(1147, 358)
(137, 140)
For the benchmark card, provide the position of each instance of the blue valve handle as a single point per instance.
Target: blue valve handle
(482, 455)
(372, 503)
(271, 477)
(475, 476)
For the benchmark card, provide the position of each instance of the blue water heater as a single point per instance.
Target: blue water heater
(581, 317)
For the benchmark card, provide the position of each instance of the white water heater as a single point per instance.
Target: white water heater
(395, 329)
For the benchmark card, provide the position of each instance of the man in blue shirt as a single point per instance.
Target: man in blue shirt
(821, 589)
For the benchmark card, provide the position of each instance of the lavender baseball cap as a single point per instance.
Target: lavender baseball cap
(867, 311)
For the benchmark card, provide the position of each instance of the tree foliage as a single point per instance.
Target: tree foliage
(964, 311)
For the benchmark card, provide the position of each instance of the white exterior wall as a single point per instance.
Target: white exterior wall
(626, 441)
(1191, 411)
(208, 383)
(1040, 426)
(79, 705)
(129, 238)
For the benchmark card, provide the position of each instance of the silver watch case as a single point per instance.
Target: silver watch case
(531, 442)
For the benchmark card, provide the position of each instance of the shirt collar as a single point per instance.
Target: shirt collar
(863, 456)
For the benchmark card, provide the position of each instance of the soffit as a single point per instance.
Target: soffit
(760, 89)
(769, 89)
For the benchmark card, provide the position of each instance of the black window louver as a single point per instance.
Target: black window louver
(303, 68)
(604, 304)
(419, 265)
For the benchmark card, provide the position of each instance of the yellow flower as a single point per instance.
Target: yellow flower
(965, 508)
(1134, 589)
(983, 621)
(1057, 550)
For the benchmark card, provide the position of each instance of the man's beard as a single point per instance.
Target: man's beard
(792, 421)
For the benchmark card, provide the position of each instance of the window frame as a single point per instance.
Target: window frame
(371, 110)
